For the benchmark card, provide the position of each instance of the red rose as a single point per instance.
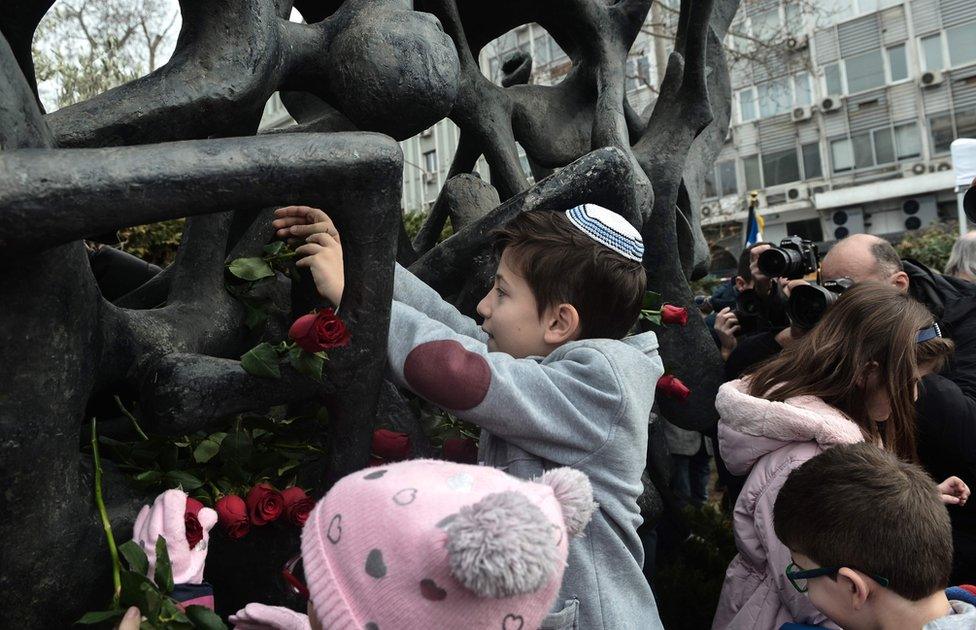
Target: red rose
(462, 450)
(232, 515)
(297, 505)
(264, 504)
(671, 314)
(319, 331)
(671, 386)
(194, 531)
(390, 446)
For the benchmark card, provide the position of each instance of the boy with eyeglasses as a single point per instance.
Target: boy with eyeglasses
(871, 542)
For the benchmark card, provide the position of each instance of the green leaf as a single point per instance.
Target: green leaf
(288, 466)
(173, 617)
(150, 476)
(203, 617)
(184, 479)
(651, 316)
(206, 449)
(250, 269)
(98, 617)
(236, 447)
(274, 248)
(652, 301)
(308, 364)
(261, 360)
(164, 570)
(139, 591)
(135, 556)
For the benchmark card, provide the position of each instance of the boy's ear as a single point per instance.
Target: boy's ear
(855, 586)
(562, 324)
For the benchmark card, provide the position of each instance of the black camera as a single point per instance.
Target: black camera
(808, 302)
(748, 308)
(794, 258)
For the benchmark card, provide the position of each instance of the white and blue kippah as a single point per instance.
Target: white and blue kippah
(608, 228)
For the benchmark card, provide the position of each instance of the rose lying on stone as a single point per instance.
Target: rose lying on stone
(389, 446)
(232, 516)
(319, 331)
(297, 505)
(264, 504)
(671, 314)
(194, 531)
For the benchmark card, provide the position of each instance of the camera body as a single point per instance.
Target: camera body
(793, 259)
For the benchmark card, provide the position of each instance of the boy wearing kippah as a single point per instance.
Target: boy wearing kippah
(871, 542)
(551, 377)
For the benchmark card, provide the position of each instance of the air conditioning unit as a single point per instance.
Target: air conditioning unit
(930, 78)
(801, 112)
(797, 42)
(842, 223)
(706, 211)
(831, 103)
(918, 212)
(917, 169)
(426, 133)
(797, 193)
(430, 178)
(943, 166)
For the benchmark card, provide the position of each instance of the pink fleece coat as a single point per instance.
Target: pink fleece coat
(767, 440)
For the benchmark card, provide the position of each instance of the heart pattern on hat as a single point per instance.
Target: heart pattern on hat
(513, 622)
(405, 496)
(334, 532)
(375, 566)
(430, 590)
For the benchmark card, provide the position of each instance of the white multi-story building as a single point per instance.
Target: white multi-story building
(847, 127)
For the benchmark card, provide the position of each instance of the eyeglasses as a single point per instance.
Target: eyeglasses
(294, 583)
(798, 577)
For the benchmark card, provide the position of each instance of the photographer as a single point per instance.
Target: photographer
(946, 405)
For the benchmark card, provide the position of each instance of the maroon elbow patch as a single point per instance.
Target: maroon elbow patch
(447, 375)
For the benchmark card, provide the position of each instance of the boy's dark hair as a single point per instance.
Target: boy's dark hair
(860, 507)
(745, 258)
(561, 264)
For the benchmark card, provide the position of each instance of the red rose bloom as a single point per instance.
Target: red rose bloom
(671, 314)
(319, 331)
(264, 504)
(297, 505)
(462, 450)
(390, 446)
(671, 386)
(194, 531)
(232, 515)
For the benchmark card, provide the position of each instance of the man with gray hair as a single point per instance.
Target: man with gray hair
(962, 258)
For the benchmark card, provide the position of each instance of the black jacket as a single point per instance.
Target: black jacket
(947, 402)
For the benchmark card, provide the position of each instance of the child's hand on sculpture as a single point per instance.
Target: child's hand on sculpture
(322, 251)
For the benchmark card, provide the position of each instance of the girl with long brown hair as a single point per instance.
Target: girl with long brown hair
(853, 378)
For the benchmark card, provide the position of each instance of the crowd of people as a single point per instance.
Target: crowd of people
(845, 449)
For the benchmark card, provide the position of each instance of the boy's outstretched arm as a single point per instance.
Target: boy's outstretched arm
(301, 223)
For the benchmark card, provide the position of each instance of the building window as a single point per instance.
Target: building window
(833, 79)
(753, 175)
(766, 24)
(747, 104)
(710, 192)
(940, 126)
(802, 89)
(774, 97)
(908, 144)
(932, 52)
(842, 155)
(962, 43)
(864, 71)
(966, 123)
(632, 81)
(794, 18)
(807, 229)
(781, 167)
(897, 63)
(725, 172)
(811, 161)
(558, 54)
(430, 161)
(540, 50)
(884, 147)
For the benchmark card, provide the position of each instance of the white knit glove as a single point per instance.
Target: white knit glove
(262, 617)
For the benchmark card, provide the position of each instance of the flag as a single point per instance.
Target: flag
(754, 224)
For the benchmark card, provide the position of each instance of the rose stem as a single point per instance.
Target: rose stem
(106, 525)
(132, 418)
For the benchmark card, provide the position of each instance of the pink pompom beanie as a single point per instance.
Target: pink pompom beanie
(432, 544)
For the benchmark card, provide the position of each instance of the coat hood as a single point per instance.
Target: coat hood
(750, 427)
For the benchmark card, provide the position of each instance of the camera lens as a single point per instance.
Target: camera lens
(807, 304)
(776, 262)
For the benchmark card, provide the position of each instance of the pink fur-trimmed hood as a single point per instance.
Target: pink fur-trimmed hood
(750, 427)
